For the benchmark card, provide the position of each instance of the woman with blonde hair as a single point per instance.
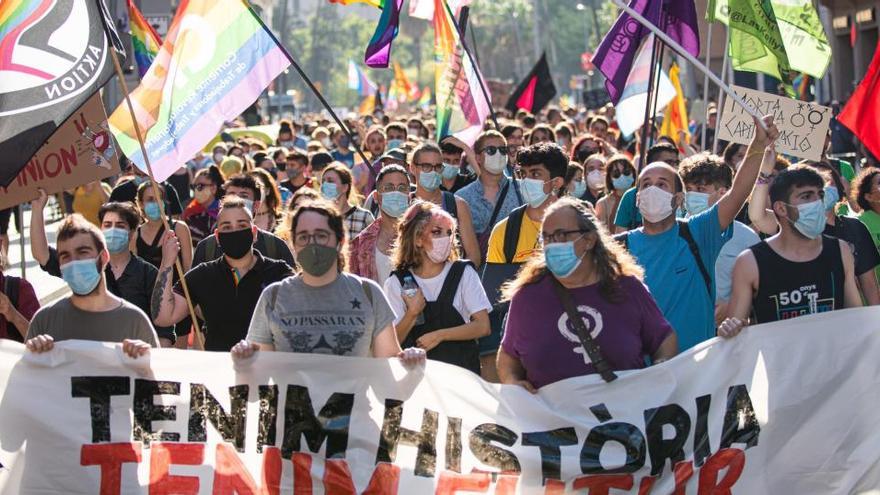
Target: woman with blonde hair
(581, 267)
(337, 186)
(440, 304)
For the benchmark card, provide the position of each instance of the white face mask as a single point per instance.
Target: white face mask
(596, 179)
(496, 163)
(440, 249)
(654, 203)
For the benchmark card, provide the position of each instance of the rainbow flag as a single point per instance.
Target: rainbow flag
(375, 3)
(425, 100)
(216, 60)
(801, 86)
(405, 90)
(378, 51)
(461, 107)
(144, 38)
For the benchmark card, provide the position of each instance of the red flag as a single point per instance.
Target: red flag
(861, 114)
(852, 33)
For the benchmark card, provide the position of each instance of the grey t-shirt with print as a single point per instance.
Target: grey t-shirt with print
(337, 318)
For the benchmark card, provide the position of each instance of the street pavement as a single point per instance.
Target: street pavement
(47, 287)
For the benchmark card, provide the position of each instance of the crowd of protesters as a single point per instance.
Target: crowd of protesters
(552, 247)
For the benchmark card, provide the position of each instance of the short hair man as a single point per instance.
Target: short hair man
(298, 170)
(798, 271)
(227, 288)
(91, 312)
(628, 216)
(268, 244)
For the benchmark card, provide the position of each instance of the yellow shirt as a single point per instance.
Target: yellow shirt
(527, 244)
(87, 203)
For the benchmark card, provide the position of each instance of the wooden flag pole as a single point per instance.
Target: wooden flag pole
(199, 341)
(690, 58)
(648, 120)
(706, 83)
(724, 76)
(20, 218)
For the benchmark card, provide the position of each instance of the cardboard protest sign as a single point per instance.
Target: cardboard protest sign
(785, 408)
(802, 125)
(80, 151)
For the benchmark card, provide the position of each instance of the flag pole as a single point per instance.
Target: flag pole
(20, 215)
(311, 85)
(657, 88)
(706, 81)
(199, 342)
(643, 143)
(724, 76)
(690, 58)
(476, 70)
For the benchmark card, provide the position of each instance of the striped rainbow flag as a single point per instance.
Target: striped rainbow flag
(375, 3)
(15, 15)
(210, 69)
(144, 38)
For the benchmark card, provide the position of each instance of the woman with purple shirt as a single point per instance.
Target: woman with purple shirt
(540, 346)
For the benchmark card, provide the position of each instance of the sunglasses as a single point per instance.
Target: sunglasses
(199, 187)
(491, 150)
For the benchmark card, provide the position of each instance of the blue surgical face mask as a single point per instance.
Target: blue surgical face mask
(449, 171)
(561, 258)
(580, 187)
(329, 191)
(117, 240)
(622, 182)
(152, 211)
(394, 143)
(533, 192)
(811, 219)
(394, 203)
(82, 276)
(831, 197)
(430, 181)
(249, 204)
(696, 202)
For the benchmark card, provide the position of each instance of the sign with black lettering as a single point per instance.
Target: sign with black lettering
(802, 125)
(786, 407)
(80, 151)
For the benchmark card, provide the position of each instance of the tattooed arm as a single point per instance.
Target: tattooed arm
(167, 307)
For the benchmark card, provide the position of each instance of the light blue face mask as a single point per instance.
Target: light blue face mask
(561, 258)
(394, 203)
(811, 219)
(82, 276)
(580, 187)
(449, 171)
(249, 204)
(430, 181)
(394, 143)
(533, 192)
(622, 182)
(152, 211)
(831, 197)
(329, 191)
(117, 240)
(696, 202)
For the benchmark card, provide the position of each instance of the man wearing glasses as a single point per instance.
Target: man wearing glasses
(426, 168)
(493, 195)
(226, 289)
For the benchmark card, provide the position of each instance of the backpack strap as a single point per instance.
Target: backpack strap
(10, 288)
(453, 280)
(211, 248)
(511, 233)
(449, 204)
(684, 232)
(498, 204)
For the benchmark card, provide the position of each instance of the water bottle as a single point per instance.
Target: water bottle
(410, 289)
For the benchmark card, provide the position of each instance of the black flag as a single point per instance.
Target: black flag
(535, 91)
(53, 56)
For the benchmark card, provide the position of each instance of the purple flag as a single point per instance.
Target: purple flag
(379, 49)
(616, 53)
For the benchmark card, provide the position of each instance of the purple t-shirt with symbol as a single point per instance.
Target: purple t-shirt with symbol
(539, 334)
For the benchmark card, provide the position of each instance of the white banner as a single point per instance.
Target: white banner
(785, 408)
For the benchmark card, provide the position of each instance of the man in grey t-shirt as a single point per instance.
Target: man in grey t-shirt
(339, 318)
(91, 312)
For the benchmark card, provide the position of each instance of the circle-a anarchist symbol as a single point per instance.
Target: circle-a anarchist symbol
(36, 69)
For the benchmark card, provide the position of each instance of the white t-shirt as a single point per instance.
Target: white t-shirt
(470, 298)
(383, 265)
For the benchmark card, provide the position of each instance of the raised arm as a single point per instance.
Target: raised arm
(760, 214)
(39, 242)
(732, 202)
(166, 306)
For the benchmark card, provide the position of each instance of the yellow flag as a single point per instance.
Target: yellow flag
(675, 116)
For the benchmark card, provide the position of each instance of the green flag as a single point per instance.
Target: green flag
(780, 38)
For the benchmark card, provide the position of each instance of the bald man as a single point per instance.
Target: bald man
(679, 255)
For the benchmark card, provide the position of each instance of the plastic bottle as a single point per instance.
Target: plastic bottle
(411, 288)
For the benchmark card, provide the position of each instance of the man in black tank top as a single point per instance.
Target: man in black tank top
(798, 271)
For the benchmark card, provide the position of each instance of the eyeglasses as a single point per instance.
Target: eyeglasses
(429, 167)
(387, 188)
(321, 237)
(491, 150)
(198, 186)
(560, 235)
